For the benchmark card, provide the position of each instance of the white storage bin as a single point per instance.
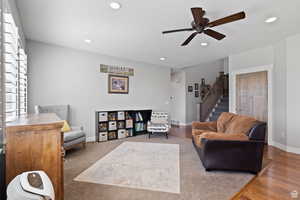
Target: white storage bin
(103, 136)
(102, 116)
(121, 115)
(112, 125)
(121, 133)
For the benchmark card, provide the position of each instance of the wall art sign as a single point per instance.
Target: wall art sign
(125, 71)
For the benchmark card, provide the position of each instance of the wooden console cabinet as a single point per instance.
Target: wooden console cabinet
(34, 142)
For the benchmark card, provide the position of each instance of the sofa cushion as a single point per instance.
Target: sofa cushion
(223, 121)
(240, 124)
(73, 134)
(197, 140)
(198, 131)
(208, 126)
(222, 136)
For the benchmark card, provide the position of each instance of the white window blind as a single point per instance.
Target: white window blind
(15, 65)
(22, 82)
(2, 87)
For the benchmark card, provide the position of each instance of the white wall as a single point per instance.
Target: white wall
(209, 71)
(60, 75)
(252, 58)
(284, 56)
(293, 95)
(15, 12)
(178, 101)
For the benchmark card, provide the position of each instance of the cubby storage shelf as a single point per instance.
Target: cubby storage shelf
(108, 124)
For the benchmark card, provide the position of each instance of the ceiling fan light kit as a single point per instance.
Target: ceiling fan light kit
(202, 24)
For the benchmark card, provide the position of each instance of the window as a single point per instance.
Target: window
(15, 65)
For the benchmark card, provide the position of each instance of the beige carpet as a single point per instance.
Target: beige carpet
(139, 165)
(195, 182)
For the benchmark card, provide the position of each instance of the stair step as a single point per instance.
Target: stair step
(213, 118)
(221, 110)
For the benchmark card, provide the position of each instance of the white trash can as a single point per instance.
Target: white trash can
(34, 185)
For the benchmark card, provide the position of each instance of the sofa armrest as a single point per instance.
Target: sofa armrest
(258, 132)
(210, 126)
(232, 154)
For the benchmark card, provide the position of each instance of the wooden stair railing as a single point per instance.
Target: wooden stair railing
(212, 96)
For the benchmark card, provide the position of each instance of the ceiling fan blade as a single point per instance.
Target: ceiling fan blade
(225, 20)
(198, 14)
(189, 39)
(177, 30)
(214, 34)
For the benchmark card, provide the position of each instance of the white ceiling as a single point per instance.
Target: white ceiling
(134, 31)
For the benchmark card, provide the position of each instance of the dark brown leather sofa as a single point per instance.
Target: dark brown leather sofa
(233, 142)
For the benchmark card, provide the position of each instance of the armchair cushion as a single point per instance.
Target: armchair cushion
(73, 134)
(155, 127)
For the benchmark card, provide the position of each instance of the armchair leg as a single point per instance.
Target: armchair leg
(167, 135)
(149, 135)
(84, 145)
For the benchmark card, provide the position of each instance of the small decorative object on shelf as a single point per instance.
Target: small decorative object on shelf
(103, 126)
(119, 124)
(129, 123)
(112, 116)
(112, 135)
(190, 88)
(196, 86)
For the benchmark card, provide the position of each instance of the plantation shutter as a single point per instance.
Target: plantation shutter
(11, 67)
(22, 82)
(15, 64)
(2, 84)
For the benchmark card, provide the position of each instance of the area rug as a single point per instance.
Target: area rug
(139, 165)
(195, 182)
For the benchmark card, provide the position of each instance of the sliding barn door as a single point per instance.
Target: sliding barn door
(252, 95)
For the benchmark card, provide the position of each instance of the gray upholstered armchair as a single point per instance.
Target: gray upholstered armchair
(71, 138)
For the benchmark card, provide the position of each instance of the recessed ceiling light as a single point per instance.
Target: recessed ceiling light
(271, 19)
(162, 58)
(204, 44)
(87, 41)
(115, 5)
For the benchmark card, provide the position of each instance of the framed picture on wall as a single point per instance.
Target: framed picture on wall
(190, 88)
(196, 86)
(118, 84)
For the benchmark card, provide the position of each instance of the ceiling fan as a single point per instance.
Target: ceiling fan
(202, 25)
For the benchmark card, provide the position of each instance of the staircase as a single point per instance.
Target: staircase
(221, 106)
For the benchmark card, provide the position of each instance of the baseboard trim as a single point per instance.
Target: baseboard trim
(91, 139)
(185, 124)
(285, 147)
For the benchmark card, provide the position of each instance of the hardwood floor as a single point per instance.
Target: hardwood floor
(279, 178)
